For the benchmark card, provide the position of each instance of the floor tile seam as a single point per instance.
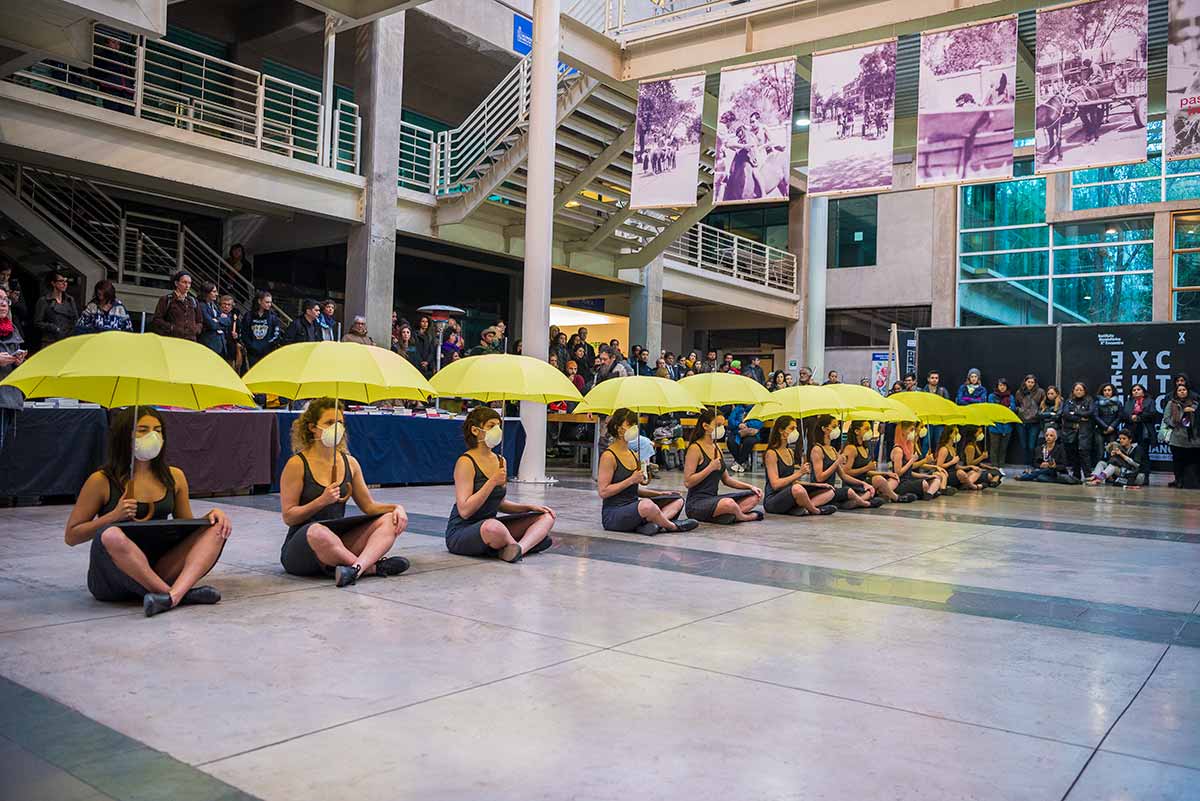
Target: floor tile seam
(1116, 720)
(129, 613)
(398, 708)
(859, 701)
(1055, 526)
(1152, 760)
(703, 619)
(931, 550)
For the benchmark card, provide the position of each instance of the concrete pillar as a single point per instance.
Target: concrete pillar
(1162, 301)
(371, 250)
(539, 222)
(328, 135)
(943, 267)
(814, 307)
(796, 331)
(645, 310)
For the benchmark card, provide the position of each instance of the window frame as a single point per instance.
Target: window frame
(1177, 290)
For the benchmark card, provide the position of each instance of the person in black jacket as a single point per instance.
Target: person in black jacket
(55, 313)
(1121, 463)
(306, 327)
(261, 332)
(1078, 416)
(1109, 417)
(1050, 462)
(1142, 417)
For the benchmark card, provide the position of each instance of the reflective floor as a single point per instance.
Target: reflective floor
(1035, 642)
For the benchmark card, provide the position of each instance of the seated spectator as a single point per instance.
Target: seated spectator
(742, 437)
(804, 377)
(609, 367)
(327, 320)
(55, 314)
(215, 324)
(661, 371)
(754, 370)
(833, 378)
(104, 312)
(358, 332)
(1121, 464)
(972, 391)
(306, 327)
(177, 313)
(262, 332)
(1050, 461)
(576, 378)
(452, 346)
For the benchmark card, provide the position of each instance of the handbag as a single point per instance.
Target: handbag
(1164, 432)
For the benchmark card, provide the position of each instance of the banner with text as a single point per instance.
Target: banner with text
(1091, 85)
(666, 145)
(852, 106)
(754, 132)
(1182, 129)
(967, 103)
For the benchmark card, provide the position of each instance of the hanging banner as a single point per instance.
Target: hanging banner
(852, 106)
(881, 377)
(1182, 129)
(1091, 85)
(754, 132)
(666, 145)
(967, 103)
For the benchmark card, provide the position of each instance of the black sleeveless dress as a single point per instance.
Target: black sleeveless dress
(463, 535)
(296, 555)
(702, 499)
(620, 512)
(780, 501)
(910, 484)
(841, 495)
(105, 580)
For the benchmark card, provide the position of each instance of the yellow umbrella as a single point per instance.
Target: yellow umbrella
(725, 389)
(337, 370)
(802, 401)
(643, 393)
(986, 414)
(931, 408)
(900, 414)
(504, 377)
(116, 368)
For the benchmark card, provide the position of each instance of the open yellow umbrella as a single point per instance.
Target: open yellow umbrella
(340, 370)
(725, 389)
(504, 377)
(802, 401)
(987, 414)
(931, 408)
(643, 393)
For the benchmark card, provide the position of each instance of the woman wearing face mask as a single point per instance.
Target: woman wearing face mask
(480, 485)
(786, 493)
(905, 457)
(1078, 414)
(859, 464)
(975, 454)
(1142, 415)
(307, 502)
(1050, 461)
(1028, 405)
(948, 460)
(1000, 434)
(829, 466)
(926, 459)
(626, 505)
(1109, 417)
(703, 472)
(159, 569)
(1184, 439)
(972, 391)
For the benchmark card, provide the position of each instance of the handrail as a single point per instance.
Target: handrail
(184, 88)
(712, 250)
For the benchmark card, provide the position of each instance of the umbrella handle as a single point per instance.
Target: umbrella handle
(149, 504)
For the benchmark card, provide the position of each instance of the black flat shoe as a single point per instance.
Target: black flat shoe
(929, 496)
(511, 553)
(685, 524)
(827, 509)
(797, 511)
(725, 520)
(758, 515)
(201, 595)
(391, 566)
(949, 491)
(154, 603)
(876, 502)
(345, 575)
(648, 529)
(543, 545)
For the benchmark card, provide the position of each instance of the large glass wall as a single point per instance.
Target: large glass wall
(1130, 184)
(1185, 267)
(853, 231)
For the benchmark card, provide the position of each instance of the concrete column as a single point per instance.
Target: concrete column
(645, 309)
(1161, 299)
(328, 136)
(371, 250)
(796, 331)
(943, 266)
(539, 222)
(814, 307)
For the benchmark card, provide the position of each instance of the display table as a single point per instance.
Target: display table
(52, 451)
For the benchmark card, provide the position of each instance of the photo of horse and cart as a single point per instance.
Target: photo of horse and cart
(1091, 85)
(754, 132)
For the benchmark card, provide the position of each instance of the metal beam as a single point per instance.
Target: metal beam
(598, 165)
(668, 235)
(614, 221)
(1026, 66)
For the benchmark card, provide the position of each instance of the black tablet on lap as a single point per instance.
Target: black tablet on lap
(342, 526)
(169, 529)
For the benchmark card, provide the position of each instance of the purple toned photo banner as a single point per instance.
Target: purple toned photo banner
(967, 103)
(1091, 85)
(754, 132)
(1183, 80)
(666, 145)
(852, 107)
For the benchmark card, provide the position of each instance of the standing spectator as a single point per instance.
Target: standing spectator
(104, 312)
(1142, 417)
(754, 370)
(20, 313)
(709, 365)
(558, 346)
(660, 369)
(610, 367)
(589, 351)
(1050, 412)
(426, 340)
(642, 365)
(55, 313)
(452, 346)
(933, 383)
(407, 346)
(177, 313)
(576, 378)
(487, 339)
(306, 327)
(805, 378)
(501, 332)
(358, 332)
(215, 324)
(864, 382)
(1109, 417)
(584, 365)
(972, 391)
(910, 383)
(735, 367)
(788, 381)
(1184, 439)
(12, 343)
(328, 321)
(728, 362)
(238, 262)
(1000, 434)
(896, 389)
(833, 378)
(262, 332)
(674, 368)
(6, 279)
(234, 353)
(1028, 399)
(1078, 413)
(395, 329)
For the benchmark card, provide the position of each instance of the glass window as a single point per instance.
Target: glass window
(1103, 299)
(1003, 302)
(1004, 265)
(853, 228)
(1133, 229)
(1005, 203)
(1187, 231)
(1187, 269)
(1183, 188)
(1122, 259)
(1129, 193)
(1187, 305)
(871, 326)
(1004, 239)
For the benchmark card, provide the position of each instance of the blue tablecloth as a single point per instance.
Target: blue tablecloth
(401, 449)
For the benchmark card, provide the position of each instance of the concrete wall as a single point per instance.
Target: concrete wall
(852, 363)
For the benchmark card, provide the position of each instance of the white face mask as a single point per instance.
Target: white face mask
(956, 438)
(870, 434)
(330, 437)
(922, 431)
(911, 435)
(719, 433)
(148, 446)
(493, 437)
(979, 436)
(793, 437)
(835, 432)
(631, 434)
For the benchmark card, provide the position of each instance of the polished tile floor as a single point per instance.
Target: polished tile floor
(1035, 643)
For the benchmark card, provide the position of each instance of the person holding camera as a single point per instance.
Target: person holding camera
(1121, 463)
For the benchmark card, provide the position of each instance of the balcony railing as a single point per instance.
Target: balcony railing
(173, 85)
(712, 250)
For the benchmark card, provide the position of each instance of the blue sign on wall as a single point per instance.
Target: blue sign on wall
(522, 43)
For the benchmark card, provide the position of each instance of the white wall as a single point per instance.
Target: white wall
(853, 364)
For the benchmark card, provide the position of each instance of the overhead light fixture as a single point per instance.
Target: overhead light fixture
(803, 122)
(1087, 297)
(1111, 230)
